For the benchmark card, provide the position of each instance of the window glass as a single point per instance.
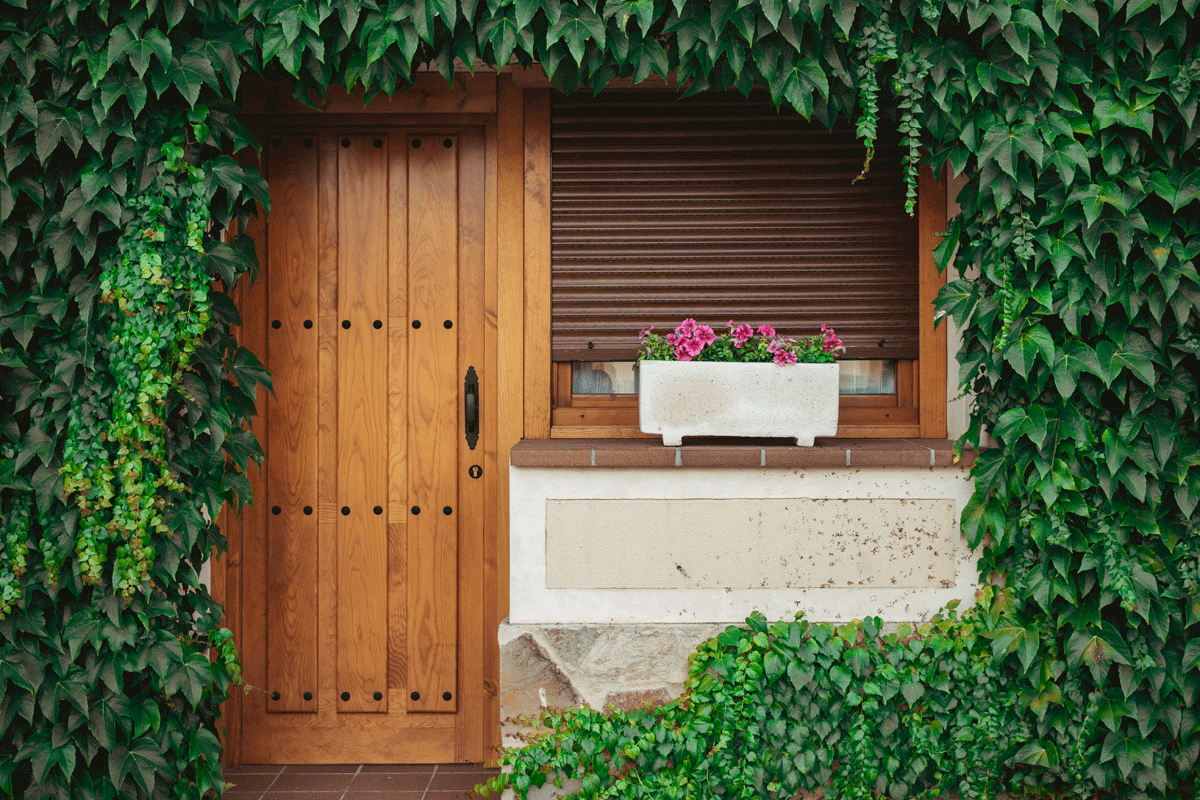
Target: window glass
(876, 376)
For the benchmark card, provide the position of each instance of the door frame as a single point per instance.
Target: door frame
(432, 106)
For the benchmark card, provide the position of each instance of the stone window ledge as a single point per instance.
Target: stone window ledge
(737, 453)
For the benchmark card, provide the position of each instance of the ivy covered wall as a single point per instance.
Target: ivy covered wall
(122, 394)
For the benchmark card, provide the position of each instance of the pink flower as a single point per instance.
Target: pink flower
(644, 332)
(681, 351)
(766, 330)
(785, 357)
(686, 328)
(741, 334)
(830, 343)
(705, 335)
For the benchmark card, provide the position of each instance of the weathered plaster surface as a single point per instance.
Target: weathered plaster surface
(536, 599)
(750, 543)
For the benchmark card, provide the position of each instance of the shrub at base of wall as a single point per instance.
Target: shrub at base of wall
(791, 708)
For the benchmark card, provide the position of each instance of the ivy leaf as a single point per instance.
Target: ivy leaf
(1095, 649)
(1039, 754)
(912, 690)
(1022, 641)
(1110, 110)
(141, 49)
(1075, 358)
(843, 14)
(1128, 750)
(980, 517)
(1136, 354)
(1083, 9)
(188, 75)
(143, 761)
(1094, 197)
(576, 25)
(190, 677)
(649, 57)
(1017, 422)
(1031, 342)
(57, 124)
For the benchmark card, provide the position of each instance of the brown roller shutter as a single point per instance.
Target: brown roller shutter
(719, 207)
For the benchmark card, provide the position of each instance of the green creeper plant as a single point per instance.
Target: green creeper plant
(1075, 289)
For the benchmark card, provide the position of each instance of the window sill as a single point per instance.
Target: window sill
(739, 453)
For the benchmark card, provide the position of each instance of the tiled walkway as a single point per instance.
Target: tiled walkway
(356, 782)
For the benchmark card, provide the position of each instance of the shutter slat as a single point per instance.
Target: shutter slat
(719, 207)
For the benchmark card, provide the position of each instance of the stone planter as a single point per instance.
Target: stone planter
(691, 398)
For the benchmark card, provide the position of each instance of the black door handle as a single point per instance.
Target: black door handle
(471, 406)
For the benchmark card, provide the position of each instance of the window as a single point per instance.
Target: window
(719, 207)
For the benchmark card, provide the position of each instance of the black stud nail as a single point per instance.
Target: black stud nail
(416, 510)
(276, 510)
(308, 510)
(346, 324)
(345, 142)
(276, 324)
(447, 324)
(277, 142)
(345, 511)
(415, 695)
(416, 323)
(274, 695)
(378, 510)
(378, 143)
(378, 696)
(345, 696)
(447, 511)
(447, 696)
(308, 323)
(378, 324)
(447, 143)
(308, 695)
(307, 143)
(416, 142)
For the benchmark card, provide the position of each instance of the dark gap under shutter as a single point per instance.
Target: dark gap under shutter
(718, 207)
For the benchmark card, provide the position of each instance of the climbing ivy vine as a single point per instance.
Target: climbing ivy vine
(1075, 288)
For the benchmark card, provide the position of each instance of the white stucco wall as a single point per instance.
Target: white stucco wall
(643, 547)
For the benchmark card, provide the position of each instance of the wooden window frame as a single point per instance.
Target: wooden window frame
(917, 410)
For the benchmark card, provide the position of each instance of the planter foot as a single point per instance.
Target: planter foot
(804, 441)
(671, 440)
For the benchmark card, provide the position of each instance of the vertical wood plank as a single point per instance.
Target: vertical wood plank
(362, 425)
(292, 428)
(327, 421)
(472, 500)
(493, 521)
(931, 390)
(434, 385)
(510, 304)
(255, 744)
(397, 506)
(537, 264)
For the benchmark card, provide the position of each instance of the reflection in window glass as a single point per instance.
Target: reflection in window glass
(868, 377)
(604, 377)
(620, 377)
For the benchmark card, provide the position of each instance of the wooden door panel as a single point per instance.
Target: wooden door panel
(362, 448)
(369, 422)
(291, 491)
(434, 384)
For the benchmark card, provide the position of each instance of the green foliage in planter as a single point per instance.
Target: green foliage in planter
(769, 709)
(1075, 123)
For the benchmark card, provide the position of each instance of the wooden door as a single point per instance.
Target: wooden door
(363, 629)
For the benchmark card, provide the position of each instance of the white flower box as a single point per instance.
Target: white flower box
(707, 398)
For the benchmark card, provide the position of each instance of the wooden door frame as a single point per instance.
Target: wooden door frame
(431, 105)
